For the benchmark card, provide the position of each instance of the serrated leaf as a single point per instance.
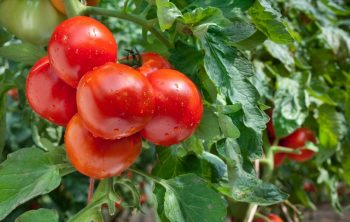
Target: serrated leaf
(239, 30)
(291, 104)
(24, 53)
(337, 39)
(28, 173)
(230, 72)
(188, 198)
(200, 19)
(167, 13)
(332, 126)
(244, 186)
(282, 53)
(40, 215)
(269, 21)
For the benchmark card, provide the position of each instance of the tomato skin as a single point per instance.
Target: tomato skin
(59, 5)
(272, 217)
(30, 21)
(48, 95)
(152, 62)
(115, 101)
(96, 157)
(78, 45)
(179, 108)
(296, 140)
(278, 159)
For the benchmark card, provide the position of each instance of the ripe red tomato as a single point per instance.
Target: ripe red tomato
(272, 217)
(178, 111)
(152, 62)
(115, 101)
(48, 95)
(96, 157)
(78, 45)
(269, 127)
(13, 93)
(296, 140)
(278, 159)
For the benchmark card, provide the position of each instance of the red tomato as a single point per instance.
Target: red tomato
(269, 127)
(309, 187)
(48, 95)
(96, 157)
(278, 159)
(272, 217)
(152, 62)
(78, 45)
(115, 101)
(179, 108)
(13, 93)
(296, 140)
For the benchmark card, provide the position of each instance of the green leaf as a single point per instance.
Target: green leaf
(230, 72)
(2, 122)
(167, 13)
(28, 173)
(208, 128)
(228, 128)
(4, 36)
(282, 53)
(332, 127)
(269, 21)
(189, 198)
(239, 30)
(227, 6)
(24, 53)
(40, 215)
(181, 61)
(291, 104)
(244, 186)
(200, 19)
(337, 39)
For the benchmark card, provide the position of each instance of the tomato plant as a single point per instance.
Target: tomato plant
(215, 110)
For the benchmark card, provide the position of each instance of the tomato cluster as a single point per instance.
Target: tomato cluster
(107, 106)
(295, 140)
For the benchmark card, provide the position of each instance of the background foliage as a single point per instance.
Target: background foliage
(245, 56)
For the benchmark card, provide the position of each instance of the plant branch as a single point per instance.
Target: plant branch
(91, 189)
(282, 149)
(89, 10)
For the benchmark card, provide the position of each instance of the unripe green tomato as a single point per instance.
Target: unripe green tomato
(30, 20)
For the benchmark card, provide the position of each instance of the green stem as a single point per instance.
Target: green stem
(250, 213)
(259, 215)
(282, 149)
(73, 7)
(89, 10)
(150, 177)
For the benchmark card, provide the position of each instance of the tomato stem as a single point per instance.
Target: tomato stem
(73, 8)
(91, 189)
(259, 215)
(282, 149)
(90, 10)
